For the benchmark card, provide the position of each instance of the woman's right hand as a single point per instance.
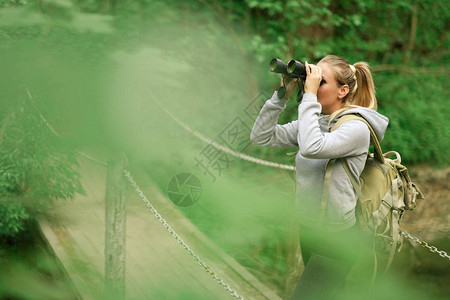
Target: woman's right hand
(313, 78)
(290, 84)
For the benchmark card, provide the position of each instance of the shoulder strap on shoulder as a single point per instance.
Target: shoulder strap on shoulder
(352, 179)
(373, 137)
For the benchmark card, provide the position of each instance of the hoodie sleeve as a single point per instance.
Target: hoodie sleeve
(350, 139)
(267, 132)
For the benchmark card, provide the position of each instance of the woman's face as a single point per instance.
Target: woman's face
(329, 94)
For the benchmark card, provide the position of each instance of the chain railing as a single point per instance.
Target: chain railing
(85, 155)
(220, 147)
(425, 245)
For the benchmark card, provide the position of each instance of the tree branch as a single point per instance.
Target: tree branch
(412, 34)
(408, 70)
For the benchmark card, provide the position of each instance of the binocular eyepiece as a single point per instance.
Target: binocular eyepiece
(293, 68)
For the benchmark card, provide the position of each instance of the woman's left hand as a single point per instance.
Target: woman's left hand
(313, 78)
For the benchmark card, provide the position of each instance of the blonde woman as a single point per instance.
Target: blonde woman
(333, 88)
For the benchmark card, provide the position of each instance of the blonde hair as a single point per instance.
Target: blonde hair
(359, 80)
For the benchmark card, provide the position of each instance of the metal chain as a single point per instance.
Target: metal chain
(91, 158)
(50, 127)
(425, 245)
(223, 148)
(219, 280)
(197, 134)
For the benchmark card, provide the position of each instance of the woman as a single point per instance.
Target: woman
(328, 235)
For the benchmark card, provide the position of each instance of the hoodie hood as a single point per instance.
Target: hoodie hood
(378, 122)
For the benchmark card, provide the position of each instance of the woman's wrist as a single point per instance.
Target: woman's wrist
(278, 100)
(311, 91)
(309, 97)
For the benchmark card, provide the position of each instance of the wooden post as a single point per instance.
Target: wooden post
(115, 229)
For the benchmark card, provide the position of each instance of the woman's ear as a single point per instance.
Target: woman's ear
(343, 91)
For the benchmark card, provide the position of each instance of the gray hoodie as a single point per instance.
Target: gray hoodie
(311, 134)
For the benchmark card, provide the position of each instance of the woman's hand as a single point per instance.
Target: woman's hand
(313, 78)
(290, 84)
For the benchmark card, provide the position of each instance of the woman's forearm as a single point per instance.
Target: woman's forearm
(266, 130)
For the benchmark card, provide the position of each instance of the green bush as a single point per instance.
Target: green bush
(417, 108)
(35, 168)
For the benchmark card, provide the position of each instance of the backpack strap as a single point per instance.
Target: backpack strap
(373, 137)
(374, 140)
(326, 182)
(352, 179)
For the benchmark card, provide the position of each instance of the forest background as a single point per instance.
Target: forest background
(101, 70)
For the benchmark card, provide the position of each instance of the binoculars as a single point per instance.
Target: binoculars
(293, 69)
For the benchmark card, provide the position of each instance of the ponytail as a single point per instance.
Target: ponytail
(364, 94)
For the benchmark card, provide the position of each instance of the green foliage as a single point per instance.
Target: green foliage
(418, 114)
(12, 217)
(35, 168)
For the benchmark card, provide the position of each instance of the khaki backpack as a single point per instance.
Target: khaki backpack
(386, 191)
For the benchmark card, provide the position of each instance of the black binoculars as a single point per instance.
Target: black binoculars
(293, 69)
